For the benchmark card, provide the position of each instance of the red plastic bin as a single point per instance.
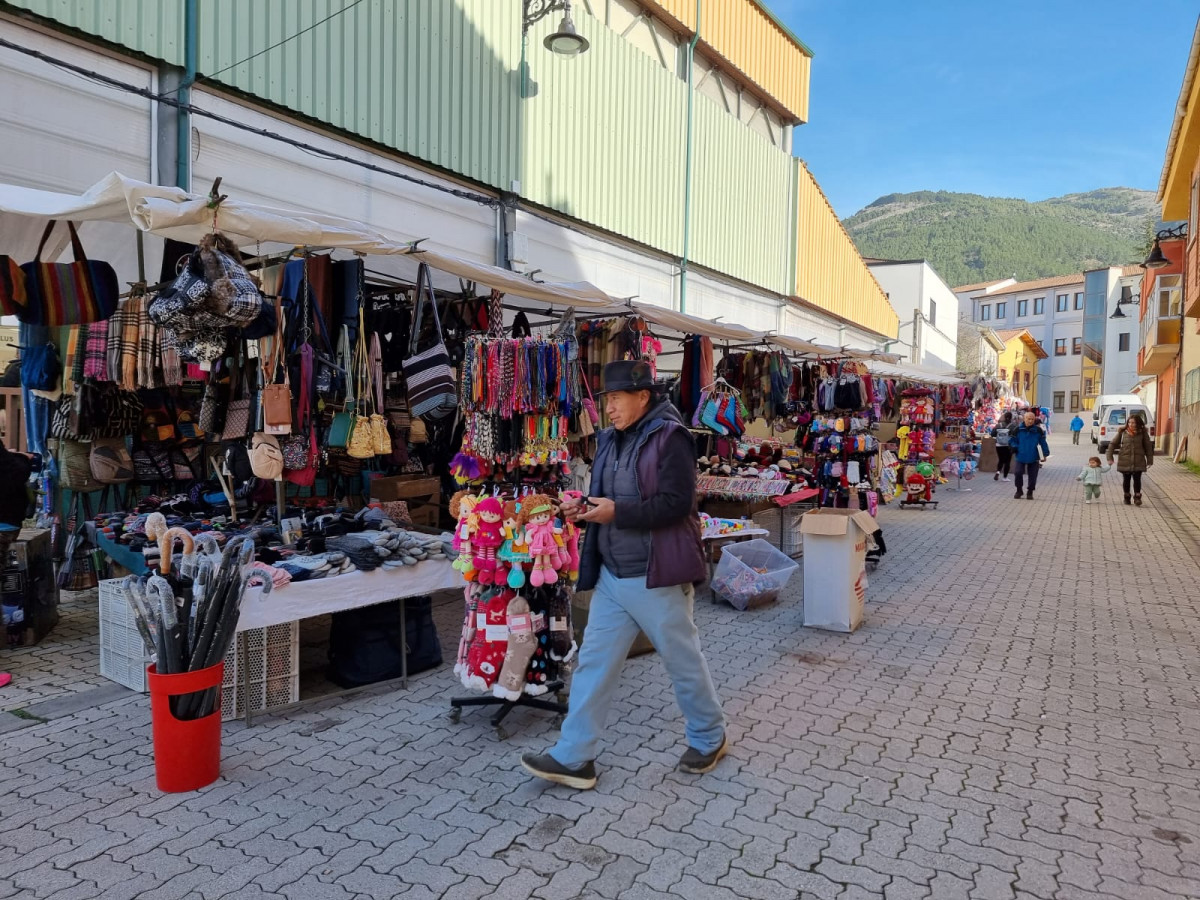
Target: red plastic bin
(187, 754)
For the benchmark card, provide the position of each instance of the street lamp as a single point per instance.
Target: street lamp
(1127, 297)
(566, 41)
(1157, 259)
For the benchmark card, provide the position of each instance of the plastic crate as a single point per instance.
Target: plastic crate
(752, 573)
(122, 651)
(784, 527)
(272, 665)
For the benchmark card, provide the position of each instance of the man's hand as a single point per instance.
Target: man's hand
(573, 509)
(602, 512)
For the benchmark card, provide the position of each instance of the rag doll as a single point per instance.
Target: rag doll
(487, 538)
(571, 539)
(512, 552)
(462, 505)
(537, 518)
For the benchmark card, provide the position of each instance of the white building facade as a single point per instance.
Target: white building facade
(1053, 311)
(927, 307)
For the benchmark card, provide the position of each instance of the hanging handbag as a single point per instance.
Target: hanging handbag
(237, 411)
(40, 367)
(13, 297)
(295, 447)
(276, 398)
(75, 468)
(307, 476)
(68, 293)
(110, 461)
(427, 375)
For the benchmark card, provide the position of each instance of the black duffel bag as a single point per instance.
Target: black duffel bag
(365, 645)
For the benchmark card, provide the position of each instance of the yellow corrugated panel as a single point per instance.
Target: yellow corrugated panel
(746, 36)
(830, 273)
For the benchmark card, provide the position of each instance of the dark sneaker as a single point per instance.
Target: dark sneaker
(546, 766)
(1029, 496)
(696, 763)
(1018, 495)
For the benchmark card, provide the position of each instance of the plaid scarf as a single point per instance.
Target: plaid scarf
(135, 311)
(95, 351)
(116, 328)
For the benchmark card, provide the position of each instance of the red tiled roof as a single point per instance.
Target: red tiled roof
(1022, 287)
(978, 285)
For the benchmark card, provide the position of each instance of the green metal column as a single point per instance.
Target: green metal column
(687, 166)
(183, 121)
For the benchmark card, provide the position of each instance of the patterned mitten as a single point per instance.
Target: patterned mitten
(521, 646)
(471, 598)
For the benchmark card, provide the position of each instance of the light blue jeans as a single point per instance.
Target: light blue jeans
(620, 606)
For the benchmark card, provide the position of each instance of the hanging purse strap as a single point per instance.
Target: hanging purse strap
(76, 244)
(424, 285)
(306, 377)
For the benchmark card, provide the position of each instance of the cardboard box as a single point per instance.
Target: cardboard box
(405, 487)
(835, 571)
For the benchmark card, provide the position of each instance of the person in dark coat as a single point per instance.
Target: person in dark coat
(15, 468)
(641, 555)
(1027, 439)
(1133, 449)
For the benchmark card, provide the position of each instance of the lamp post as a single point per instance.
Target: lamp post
(566, 41)
(1127, 297)
(1157, 259)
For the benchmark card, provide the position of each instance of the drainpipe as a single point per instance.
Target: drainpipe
(183, 121)
(687, 166)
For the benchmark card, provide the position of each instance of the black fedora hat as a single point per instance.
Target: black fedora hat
(628, 375)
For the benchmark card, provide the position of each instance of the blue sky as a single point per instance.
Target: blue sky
(1013, 98)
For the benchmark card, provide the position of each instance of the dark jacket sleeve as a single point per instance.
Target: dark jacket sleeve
(676, 497)
(1042, 441)
(1148, 447)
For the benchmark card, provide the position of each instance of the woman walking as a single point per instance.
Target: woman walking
(1003, 435)
(1134, 452)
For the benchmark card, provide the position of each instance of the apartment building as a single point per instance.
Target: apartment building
(926, 307)
(1051, 310)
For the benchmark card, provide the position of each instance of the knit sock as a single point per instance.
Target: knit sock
(522, 643)
(558, 612)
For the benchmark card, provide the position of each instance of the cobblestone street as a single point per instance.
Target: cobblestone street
(1019, 717)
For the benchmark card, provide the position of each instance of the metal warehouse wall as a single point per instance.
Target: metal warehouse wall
(829, 270)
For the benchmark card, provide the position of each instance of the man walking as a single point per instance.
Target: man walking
(1076, 428)
(1030, 449)
(641, 555)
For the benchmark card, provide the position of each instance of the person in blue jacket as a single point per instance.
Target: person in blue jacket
(1027, 439)
(1076, 428)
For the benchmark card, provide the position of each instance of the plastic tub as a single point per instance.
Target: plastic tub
(752, 573)
(187, 753)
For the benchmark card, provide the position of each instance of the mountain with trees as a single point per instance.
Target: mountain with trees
(969, 238)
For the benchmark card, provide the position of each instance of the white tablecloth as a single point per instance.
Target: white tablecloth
(302, 599)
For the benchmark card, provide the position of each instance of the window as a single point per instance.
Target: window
(1170, 298)
(1118, 416)
(1074, 401)
(985, 312)
(1039, 305)
(1123, 341)
(1089, 386)
(932, 312)
(1001, 310)
(1060, 346)
(1079, 300)
(1022, 308)
(1027, 382)
(1076, 346)
(1060, 304)
(1060, 399)
(1004, 374)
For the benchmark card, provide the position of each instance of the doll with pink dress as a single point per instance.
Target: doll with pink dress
(537, 517)
(488, 537)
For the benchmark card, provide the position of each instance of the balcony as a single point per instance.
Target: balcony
(1160, 344)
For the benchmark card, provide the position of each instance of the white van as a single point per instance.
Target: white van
(1113, 417)
(1108, 400)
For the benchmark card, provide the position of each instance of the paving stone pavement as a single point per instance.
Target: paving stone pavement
(1019, 717)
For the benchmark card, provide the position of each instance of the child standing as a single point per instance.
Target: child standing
(1092, 477)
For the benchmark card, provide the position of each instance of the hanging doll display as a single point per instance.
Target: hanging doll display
(537, 517)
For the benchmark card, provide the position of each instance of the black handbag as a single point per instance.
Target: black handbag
(365, 645)
(428, 378)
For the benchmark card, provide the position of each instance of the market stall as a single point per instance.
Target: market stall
(318, 391)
